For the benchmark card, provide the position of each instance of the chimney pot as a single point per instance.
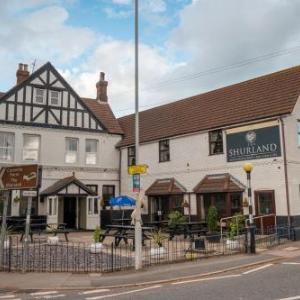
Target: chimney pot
(22, 73)
(101, 86)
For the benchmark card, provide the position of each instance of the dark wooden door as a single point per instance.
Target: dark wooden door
(70, 212)
(265, 205)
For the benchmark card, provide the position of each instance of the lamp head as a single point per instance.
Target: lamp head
(248, 167)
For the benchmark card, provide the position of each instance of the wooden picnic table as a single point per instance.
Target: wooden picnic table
(124, 232)
(188, 229)
(121, 221)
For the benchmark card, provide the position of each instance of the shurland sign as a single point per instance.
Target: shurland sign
(19, 177)
(253, 144)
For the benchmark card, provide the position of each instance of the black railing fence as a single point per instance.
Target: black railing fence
(78, 257)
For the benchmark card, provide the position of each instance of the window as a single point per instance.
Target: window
(6, 146)
(71, 150)
(298, 131)
(31, 147)
(216, 142)
(39, 96)
(54, 98)
(93, 205)
(91, 152)
(164, 151)
(108, 191)
(93, 187)
(131, 156)
(52, 204)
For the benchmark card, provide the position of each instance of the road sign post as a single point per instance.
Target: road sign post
(3, 230)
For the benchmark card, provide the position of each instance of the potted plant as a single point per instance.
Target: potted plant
(52, 240)
(212, 222)
(97, 246)
(175, 221)
(235, 227)
(157, 237)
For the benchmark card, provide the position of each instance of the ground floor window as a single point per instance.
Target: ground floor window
(227, 204)
(93, 205)
(108, 191)
(24, 204)
(161, 206)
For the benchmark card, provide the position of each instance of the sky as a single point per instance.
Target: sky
(187, 47)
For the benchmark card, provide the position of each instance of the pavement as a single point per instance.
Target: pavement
(157, 274)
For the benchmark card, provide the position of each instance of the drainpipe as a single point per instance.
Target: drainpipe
(286, 173)
(120, 165)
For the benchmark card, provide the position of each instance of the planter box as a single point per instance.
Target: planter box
(96, 248)
(160, 252)
(6, 244)
(53, 240)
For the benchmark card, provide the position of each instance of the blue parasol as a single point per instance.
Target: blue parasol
(122, 201)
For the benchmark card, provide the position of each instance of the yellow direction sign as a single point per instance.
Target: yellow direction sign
(139, 169)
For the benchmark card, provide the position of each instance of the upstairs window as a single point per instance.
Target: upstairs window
(71, 150)
(131, 155)
(31, 147)
(298, 132)
(216, 142)
(39, 96)
(7, 146)
(91, 152)
(164, 151)
(54, 98)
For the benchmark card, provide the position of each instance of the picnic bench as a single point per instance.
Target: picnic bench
(124, 232)
(188, 229)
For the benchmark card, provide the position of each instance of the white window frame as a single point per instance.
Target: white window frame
(52, 206)
(12, 148)
(42, 97)
(91, 201)
(95, 153)
(38, 150)
(68, 151)
(58, 98)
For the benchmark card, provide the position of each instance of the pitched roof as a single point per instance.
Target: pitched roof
(219, 183)
(1, 94)
(104, 113)
(167, 186)
(266, 96)
(64, 183)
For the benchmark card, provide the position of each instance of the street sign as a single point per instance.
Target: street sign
(29, 193)
(136, 183)
(19, 177)
(139, 169)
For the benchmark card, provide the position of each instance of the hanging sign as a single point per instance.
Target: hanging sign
(255, 143)
(136, 183)
(139, 169)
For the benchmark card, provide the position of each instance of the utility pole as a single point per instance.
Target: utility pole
(137, 229)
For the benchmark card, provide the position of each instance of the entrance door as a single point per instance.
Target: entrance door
(70, 212)
(265, 205)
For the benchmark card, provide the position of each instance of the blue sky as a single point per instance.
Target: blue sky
(186, 46)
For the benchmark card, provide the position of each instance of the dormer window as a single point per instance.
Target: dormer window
(39, 96)
(54, 98)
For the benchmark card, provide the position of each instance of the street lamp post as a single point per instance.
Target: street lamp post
(137, 228)
(251, 228)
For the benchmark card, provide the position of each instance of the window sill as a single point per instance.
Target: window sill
(165, 161)
(214, 154)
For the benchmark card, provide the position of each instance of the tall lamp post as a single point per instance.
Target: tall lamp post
(248, 167)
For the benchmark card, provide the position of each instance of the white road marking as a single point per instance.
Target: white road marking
(258, 269)
(206, 279)
(7, 296)
(94, 292)
(43, 293)
(291, 298)
(124, 293)
(50, 296)
(291, 263)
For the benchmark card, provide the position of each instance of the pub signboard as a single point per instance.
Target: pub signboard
(19, 177)
(256, 143)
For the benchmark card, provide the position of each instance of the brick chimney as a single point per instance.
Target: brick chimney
(101, 86)
(22, 73)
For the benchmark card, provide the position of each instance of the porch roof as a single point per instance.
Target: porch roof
(219, 183)
(167, 186)
(67, 186)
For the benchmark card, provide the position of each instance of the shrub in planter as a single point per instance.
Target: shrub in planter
(157, 237)
(212, 222)
(97, 246)
(236, 226)
(176, 218)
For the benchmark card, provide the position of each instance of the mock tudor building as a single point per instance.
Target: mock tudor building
(43, 121)
(196, 148)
